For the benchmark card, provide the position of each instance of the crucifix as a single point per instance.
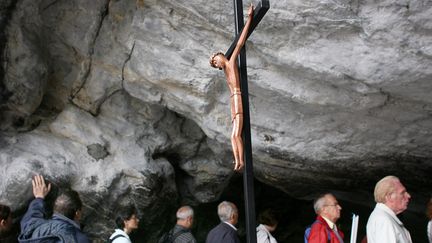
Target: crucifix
(236, 75)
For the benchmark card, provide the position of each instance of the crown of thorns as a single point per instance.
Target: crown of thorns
(213, 56)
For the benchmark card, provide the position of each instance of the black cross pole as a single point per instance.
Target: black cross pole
(248, 177)
(260, 11)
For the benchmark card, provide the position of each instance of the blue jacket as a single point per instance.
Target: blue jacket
(59, 229)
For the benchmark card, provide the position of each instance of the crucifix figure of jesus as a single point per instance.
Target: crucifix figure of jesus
(234, 65)
(230, 67)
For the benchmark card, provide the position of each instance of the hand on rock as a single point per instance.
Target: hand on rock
(40, 189)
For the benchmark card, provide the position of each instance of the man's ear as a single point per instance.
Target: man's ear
(232, 216)
(77, 216)
(3, 223)
(388, 197)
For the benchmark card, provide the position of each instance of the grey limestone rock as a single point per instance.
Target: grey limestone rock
(116, 99)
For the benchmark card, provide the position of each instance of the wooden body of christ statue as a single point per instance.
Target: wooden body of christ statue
(230, 67)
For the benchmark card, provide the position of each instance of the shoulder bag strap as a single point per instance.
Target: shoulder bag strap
(115, 237)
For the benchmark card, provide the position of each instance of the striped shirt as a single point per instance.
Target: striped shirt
(185, 237)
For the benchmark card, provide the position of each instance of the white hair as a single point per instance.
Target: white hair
(184, 212)
(384, 187)
(320, 201)
(226, 210)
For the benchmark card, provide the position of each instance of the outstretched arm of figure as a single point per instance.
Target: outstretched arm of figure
(243, 35)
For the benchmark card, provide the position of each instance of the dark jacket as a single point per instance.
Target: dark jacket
(223, 233)
(9, 239)
(35, 228)
(11, 236)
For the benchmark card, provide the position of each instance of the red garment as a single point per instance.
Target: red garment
(320, 230)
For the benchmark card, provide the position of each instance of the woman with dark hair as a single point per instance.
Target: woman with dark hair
(126, 221)
(6, 225)
(429, 215)
(268, 223)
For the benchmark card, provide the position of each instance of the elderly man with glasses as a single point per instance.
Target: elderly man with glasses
(324, 228)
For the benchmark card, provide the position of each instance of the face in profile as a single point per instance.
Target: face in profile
(332, 208)
(272, 228)
(399, 199)
(131, 223)
(216, 60)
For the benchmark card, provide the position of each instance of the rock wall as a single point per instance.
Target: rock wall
(116, 99)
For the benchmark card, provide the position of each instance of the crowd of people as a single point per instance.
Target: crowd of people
(383, 225)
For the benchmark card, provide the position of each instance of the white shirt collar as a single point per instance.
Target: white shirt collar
(388, 210)
(330, 223)
(232, 226)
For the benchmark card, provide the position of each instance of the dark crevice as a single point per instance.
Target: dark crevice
(83, 80)
(125, 62)
(164, 115)
(102, 100)
(173, 158)
(103, 14)
(49, 5)
(199, 146)
(5, 17)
